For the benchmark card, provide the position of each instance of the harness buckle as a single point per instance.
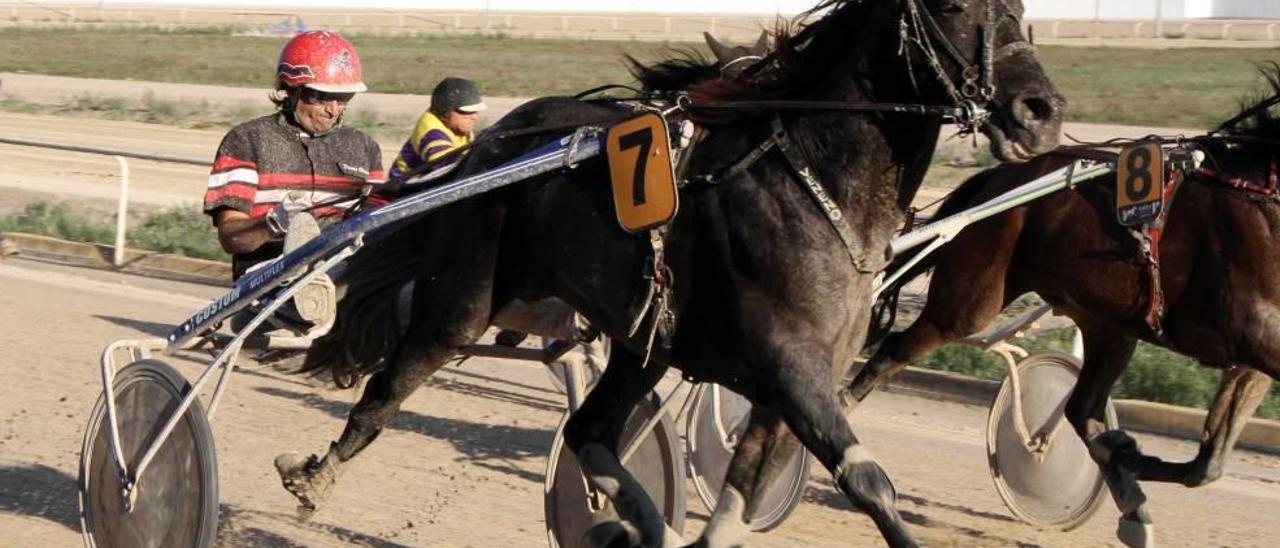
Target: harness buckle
(971, 117)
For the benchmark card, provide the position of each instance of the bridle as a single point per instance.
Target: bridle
(919, 31)
(919, 34)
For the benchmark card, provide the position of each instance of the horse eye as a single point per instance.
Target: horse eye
(951, 7)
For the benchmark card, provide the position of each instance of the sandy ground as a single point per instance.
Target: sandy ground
(462, 464)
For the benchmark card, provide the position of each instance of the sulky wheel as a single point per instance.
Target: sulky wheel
(176, 499)
(658, 465)
(716, 421)
(1058, 486)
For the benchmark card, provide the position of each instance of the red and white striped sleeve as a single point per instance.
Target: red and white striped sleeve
(233, 180)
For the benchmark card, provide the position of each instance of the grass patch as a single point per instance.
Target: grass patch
(501, 65)
(1162, 88)
(1154, 374)
(177, 230)
(1104, 85)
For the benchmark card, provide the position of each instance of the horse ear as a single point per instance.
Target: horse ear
(721, 51)
(762, 45)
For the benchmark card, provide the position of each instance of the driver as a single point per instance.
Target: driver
(448, 124)
(298, 159)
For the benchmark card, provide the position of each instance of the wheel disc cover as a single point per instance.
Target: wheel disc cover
(1061, 487)
(170, 504)
(716, 422)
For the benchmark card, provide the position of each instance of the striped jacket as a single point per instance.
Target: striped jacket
(265, 161)
(430, 141)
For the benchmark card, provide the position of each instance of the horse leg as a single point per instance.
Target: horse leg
(763, 451)
(803, 396)
(966, 292)
(594, 433)
(1106, 353)
(949, 315)
(451, 309)
(1239, 393)
(897, 351)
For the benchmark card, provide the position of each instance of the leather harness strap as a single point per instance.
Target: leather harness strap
(828, 206)
(1271, 189)
(780, 139)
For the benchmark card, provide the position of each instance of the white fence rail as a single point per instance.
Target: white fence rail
(122, 161)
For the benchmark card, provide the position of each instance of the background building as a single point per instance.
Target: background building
(1152, 9)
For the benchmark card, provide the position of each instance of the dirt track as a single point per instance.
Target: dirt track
(463, 462)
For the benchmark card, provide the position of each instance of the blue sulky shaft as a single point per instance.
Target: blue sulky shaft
(566, 152)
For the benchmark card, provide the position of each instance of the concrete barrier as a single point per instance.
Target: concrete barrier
(147, 263)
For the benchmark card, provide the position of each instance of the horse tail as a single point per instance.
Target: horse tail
(366, 333)
(884, 312)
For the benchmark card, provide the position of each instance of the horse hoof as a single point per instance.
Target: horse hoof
(308, 479)
(1136, 534)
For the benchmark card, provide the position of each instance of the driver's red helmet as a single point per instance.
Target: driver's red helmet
(321, 60)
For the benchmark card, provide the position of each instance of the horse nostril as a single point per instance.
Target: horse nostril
(1034, 109)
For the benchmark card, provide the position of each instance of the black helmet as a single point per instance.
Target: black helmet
(456, 94)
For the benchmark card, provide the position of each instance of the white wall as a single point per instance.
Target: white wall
(1147, 9)
(1246, 8)
(1107, 9)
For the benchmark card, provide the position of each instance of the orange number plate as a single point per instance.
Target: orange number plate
(644, 184)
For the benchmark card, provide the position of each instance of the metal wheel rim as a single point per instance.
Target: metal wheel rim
(1082, 511)
(188, 454)
(663, 441)
(708, 482)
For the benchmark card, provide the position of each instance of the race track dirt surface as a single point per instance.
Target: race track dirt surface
(463, 462)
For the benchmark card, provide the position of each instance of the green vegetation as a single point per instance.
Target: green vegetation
(179, 230)
(1191, 88)
(1194, 88)
(393, 64)
(1155, 374)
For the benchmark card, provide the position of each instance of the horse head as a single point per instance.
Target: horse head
(973, 53)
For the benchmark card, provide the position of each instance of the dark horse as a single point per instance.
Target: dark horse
(764, 295)
(1219, 267)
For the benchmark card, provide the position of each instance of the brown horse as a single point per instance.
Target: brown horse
(1219, 267)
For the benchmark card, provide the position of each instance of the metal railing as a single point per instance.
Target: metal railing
(122, 161)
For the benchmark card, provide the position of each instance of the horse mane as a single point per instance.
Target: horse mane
(1256, 118)
(803, 49)
(681, 71)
